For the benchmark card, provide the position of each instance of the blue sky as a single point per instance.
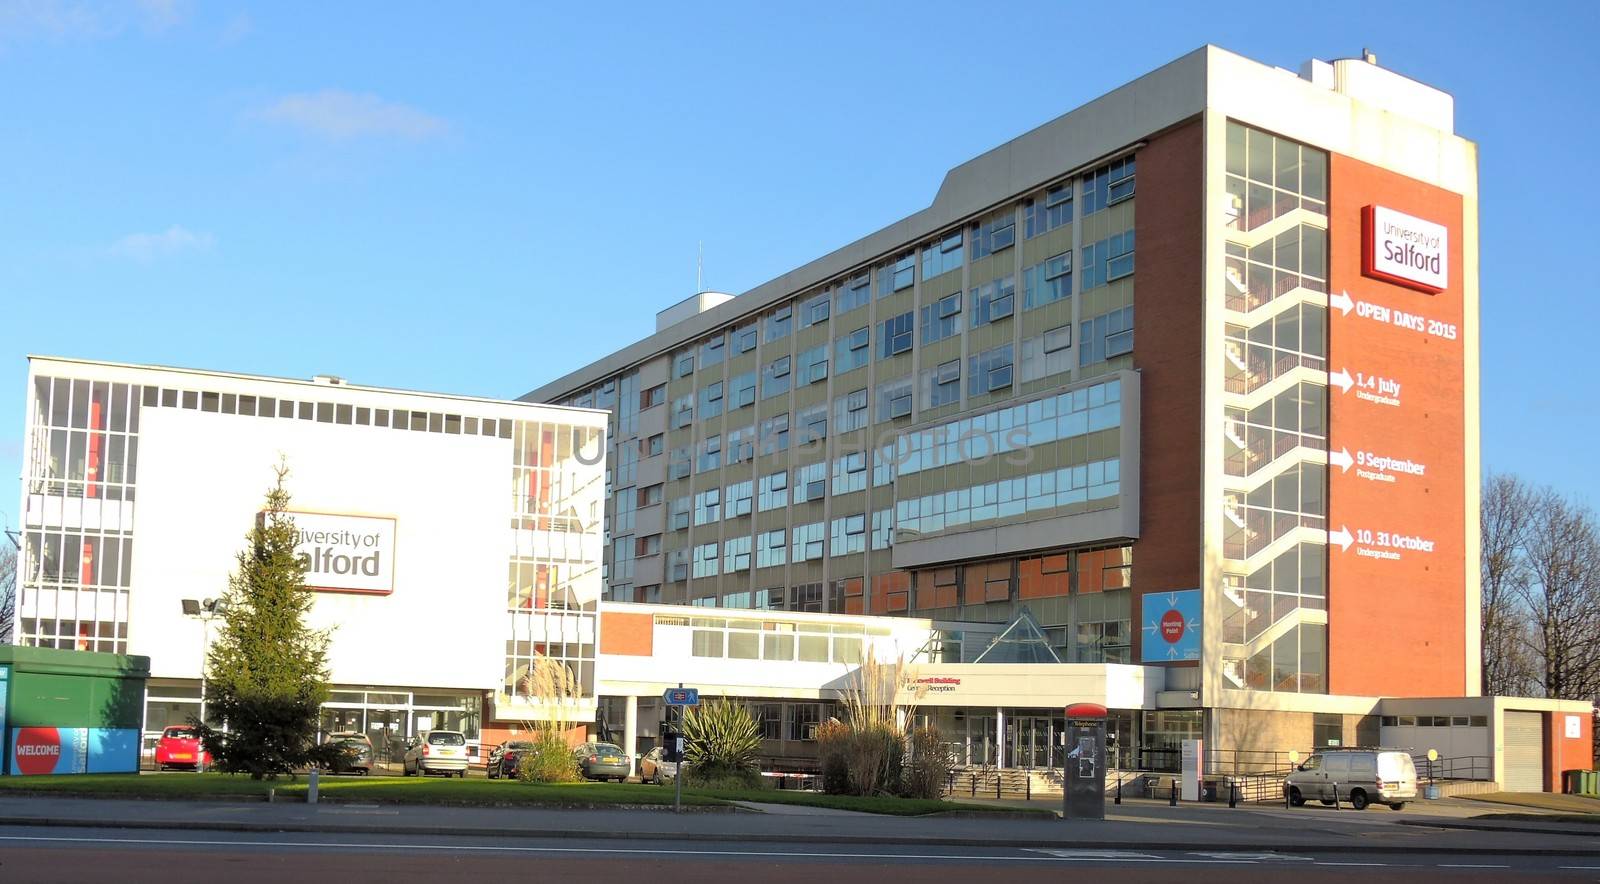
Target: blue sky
(477, 203)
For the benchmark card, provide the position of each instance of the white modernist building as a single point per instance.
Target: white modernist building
(451, 540)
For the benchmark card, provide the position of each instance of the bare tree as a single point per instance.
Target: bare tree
(8, 590)
(1562, 595)
(1506, 511)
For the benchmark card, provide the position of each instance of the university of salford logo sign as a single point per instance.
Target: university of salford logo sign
(1404, 250)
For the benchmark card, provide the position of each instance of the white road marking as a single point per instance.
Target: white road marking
(1327, 863)
(1092, 854)
(1255, 857)
(198, 842)
(1472, 866)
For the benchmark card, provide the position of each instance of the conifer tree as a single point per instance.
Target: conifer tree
(267, 671)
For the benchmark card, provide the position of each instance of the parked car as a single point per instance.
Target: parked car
(653, 768)
(1360, 776)
(179, 746)
(357, 752)
(602, 761)
(437, 752)
(503, 758)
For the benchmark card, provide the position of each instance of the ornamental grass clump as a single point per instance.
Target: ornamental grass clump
(550, 686)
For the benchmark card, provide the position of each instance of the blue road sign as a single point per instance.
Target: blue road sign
(682, 696)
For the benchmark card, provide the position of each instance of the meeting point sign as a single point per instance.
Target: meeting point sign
(345, 553)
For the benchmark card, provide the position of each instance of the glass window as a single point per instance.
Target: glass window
(713, 351)
(778, 323)
(897, 276)
(993, 235)
(711, 400)
(1047, 282)
(1044, 215)
(775, 434)
(992, 300)
(989, 371)
(775, 378)
(813, 366)
(744, 339)
(774, 492)
(852, 350)
(942, 256)
(815, 310)
(853, 293)
(941, 319)
(894, 335)
(742, 390)
(894, 399)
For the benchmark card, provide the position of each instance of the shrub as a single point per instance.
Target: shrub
(549, 760)
(873, 755)
(928, 768)
(728, 781)
(833, 739)
(721, 738)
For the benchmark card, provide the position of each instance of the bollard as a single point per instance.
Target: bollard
(311, 787)
(1027, 788)
(272, 794)
(1172, 797)
(1119, 789)
(1233, 793)
(1288, 790)
(973, 782)
(1335, 796)
(997, 785)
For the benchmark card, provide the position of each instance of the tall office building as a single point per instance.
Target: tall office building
(1188, 373)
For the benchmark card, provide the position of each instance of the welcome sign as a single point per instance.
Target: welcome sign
(1404, 250)
(346, 553)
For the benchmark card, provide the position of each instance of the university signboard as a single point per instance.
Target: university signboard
(1405, 250)
(345, 553)
(73, 750)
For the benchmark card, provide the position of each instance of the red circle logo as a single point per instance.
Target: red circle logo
(37, 750)
(1172, 627)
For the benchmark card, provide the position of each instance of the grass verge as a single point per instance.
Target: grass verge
(888, 806)
(454, 792)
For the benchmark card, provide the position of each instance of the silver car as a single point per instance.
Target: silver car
(1360, 776)
(438, 752)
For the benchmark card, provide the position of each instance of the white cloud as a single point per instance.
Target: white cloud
(147, 247)
(340, 116)
(158, 15)
(236, 29)
(52, 18)
(88, 19)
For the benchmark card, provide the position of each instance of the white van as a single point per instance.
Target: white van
(1360, 776)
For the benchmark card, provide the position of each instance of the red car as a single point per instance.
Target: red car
(179, 747)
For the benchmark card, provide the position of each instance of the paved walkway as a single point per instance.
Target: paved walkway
(1145, 825)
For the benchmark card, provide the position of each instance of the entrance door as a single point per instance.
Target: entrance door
(1033, 742)
(388, 729)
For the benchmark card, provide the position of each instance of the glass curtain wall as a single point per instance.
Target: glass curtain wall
(1274, 496)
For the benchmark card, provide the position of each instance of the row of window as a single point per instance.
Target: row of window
(1106, 260)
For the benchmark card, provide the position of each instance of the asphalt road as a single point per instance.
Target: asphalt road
(90, 854)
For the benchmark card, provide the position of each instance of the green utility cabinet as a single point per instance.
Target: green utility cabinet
(64, 712)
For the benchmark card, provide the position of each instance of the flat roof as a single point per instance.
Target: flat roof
(307, 382)
(1071, 143)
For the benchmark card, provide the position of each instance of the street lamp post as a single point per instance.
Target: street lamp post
(205, 611)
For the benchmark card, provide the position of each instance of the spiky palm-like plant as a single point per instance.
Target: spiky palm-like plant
(721, 739)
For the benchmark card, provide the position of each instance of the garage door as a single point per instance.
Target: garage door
(1524, 752)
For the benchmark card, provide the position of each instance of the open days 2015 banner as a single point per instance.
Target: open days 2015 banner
(1397, 434)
